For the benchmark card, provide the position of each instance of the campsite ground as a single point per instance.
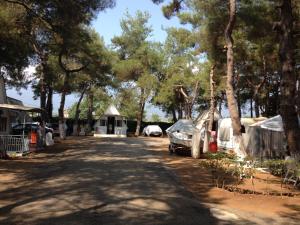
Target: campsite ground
(134, 181)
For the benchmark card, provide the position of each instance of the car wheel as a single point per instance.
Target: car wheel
(171, 151)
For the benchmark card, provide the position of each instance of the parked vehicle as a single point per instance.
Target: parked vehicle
(28, 127)
(153, 130)
(180, 134)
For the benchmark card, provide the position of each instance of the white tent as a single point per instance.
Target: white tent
(225, 131)
(111, 124)
(274, 123)
(267, 139)
(204, 118)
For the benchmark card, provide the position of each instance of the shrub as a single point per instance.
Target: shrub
(220, 155)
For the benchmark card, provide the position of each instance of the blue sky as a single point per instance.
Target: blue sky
(107, 24)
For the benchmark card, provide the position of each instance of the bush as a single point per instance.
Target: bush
(276, 167)
(220, 155)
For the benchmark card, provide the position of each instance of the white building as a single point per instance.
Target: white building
(111, 124)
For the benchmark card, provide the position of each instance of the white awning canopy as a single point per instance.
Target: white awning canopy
(111, 111)
(20, 108)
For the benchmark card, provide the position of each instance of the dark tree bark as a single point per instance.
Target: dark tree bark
(212, 98)
(61, 117)
(232, 104)
(289, 78)
(174, 114)
(256, 107)
(44, 72)
(75, 125)
(187, 101)
(140, 113)
(65, 91)
(90, 110)
(180, 111)
(251, 108)
(49, 104)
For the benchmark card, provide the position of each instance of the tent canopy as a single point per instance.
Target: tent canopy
(274, 124)
(111, 111)
(203, 117)
(20, 108)
(182, 125)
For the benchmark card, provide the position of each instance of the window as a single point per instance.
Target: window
(119, 123)
(3, 123)
(102, 123)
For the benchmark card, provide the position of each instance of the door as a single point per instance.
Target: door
(110, 125)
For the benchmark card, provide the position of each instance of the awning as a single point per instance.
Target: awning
(20, 108)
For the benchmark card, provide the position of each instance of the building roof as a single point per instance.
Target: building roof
(111, 111)
(14, 101)
(20, 108)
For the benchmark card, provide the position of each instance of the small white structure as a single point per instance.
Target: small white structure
(111, 124)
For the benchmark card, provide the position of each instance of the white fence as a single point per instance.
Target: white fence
(14, 144)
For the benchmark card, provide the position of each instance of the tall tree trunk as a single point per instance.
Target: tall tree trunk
(43, 91)
(212, 99)
(49, 104)
(232, 105)
(251, 107)
(174, 114)
(180, 114)
(75, 124)
(298, 96)
(140, 113)
(256, 106)
(61, 119)
(220, 105)
(289, 79)
(208, 127)
(90, 110)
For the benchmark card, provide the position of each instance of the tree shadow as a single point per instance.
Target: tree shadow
(92, 181)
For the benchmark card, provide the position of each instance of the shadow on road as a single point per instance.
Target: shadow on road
(92, 181)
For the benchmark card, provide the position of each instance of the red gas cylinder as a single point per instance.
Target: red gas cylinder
(213, 147)
(33, 138)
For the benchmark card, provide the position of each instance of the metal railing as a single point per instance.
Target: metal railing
(14, 144)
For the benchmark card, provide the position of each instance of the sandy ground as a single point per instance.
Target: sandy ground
(86, 180)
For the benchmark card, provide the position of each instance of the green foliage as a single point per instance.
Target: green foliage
(279, 167)
(155, 118)
(100, 104)
(220, 155)
(126, 101)
(138, 65)
(15, 45)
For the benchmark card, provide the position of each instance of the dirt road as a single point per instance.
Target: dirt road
(100, 181)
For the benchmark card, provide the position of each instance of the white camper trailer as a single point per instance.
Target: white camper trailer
(111, 124)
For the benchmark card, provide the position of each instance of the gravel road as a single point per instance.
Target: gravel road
(100, 181)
